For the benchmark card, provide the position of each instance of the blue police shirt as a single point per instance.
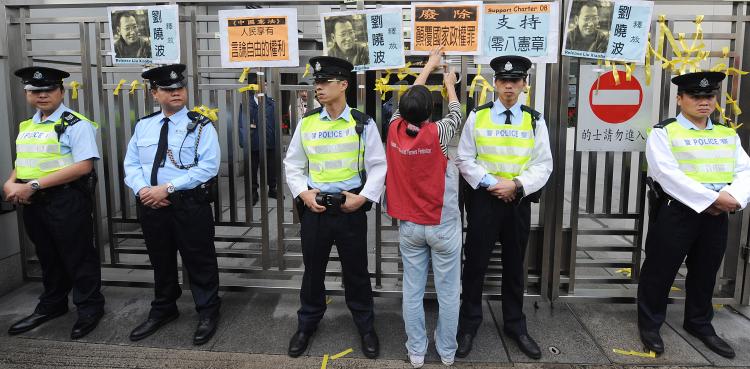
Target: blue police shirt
(142, 149)
(78, 139)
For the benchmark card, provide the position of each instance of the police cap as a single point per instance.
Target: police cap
(510, 66)
(166, 76)
(699, 83)
(41, 78)
(328, 67)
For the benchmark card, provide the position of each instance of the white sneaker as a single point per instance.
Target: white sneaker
(445, 361)
(416, 360)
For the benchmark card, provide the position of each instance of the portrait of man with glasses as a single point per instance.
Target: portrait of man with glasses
(133, 35)
(347, 39)
(589, 25)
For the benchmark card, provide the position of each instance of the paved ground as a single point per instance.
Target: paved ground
(255, 329)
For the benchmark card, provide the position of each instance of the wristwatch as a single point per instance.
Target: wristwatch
(170, 188)
(35, 186)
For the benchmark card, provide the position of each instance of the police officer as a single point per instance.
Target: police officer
(54, 180)
(505, 158)
(342, 148)
(701, 174)
(170, 165)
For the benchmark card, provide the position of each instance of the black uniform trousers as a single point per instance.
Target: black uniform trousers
(679, 233)
(186, 226)
(255, 170)
(349, 232)
(59, 223)
(489, 220)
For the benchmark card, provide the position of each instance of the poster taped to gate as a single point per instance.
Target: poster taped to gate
(525, 29)
(259, 38)
(369, 39)
(455, 26)
(144, 34)
(608, 30)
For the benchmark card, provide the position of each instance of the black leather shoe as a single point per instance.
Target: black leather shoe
(298, 343)
(527, 345)
(205, 330)
(32, 321)
(464, 344)
(85, 324)
(150, 326)
(652, 341)
(715, 343)
(370, 345)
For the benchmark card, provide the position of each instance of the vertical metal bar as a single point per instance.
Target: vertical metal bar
(608, 174)
(378, 210)
(119, 121)
(591, 182)
(246, 160)
(627, 158)
(106, 141)
(263, 181)
(213, 101)
(639, 223)
(275, 88)
(229, 100)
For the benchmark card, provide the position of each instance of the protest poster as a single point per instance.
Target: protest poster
(455, 26)
(369, 39)
(259, 38)
(144, 34)
(609, 30)
(525, 29)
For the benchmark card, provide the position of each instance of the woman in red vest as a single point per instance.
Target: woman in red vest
(422, 192)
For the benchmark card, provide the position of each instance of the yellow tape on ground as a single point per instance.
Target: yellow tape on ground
(649, 354)
(74, 89)
(341, 354)
(119, 86)
(324, 364)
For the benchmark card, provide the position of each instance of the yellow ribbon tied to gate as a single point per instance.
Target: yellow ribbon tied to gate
(733, 103)
(74, 89)
(527, 90)
(116, 92)
(250, 87)
(649, 354)
(486, 86)
(243, 76)
(134, 86)
(724, 67)
(404, 71)
(625, 271)
(211, 114)
(307, 70)
(381, 85)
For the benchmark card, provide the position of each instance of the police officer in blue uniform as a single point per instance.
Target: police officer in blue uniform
(698, 173)
(54, 180)
(335, 167)
(171, 165)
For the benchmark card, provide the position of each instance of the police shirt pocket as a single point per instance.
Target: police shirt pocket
(182, 147)
(147, 149)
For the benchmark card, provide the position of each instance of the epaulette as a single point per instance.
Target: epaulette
(69, 119)
(665, 122)
(197, 119)
(314, 111)
(482, 107)
(148, 116)
(535, 114)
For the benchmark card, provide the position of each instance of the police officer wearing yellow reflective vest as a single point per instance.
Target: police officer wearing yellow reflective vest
(342, 150)
(171, 165)
(54, 179)
(505, 158)
(698, 174)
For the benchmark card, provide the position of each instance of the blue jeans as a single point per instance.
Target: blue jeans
(443, 243)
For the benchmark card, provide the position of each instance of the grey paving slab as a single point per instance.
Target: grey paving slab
(730, 325)
(614, 326)
(263, 325)
(560, 336)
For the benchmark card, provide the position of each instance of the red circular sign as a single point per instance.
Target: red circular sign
(615, 103)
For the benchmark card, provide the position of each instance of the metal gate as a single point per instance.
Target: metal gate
(587, 232)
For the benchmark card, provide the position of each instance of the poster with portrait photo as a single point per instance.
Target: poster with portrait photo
(610, 30)
(144, 34)
(369, 39)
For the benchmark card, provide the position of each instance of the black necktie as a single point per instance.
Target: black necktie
(507, 116)
(161, 150)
